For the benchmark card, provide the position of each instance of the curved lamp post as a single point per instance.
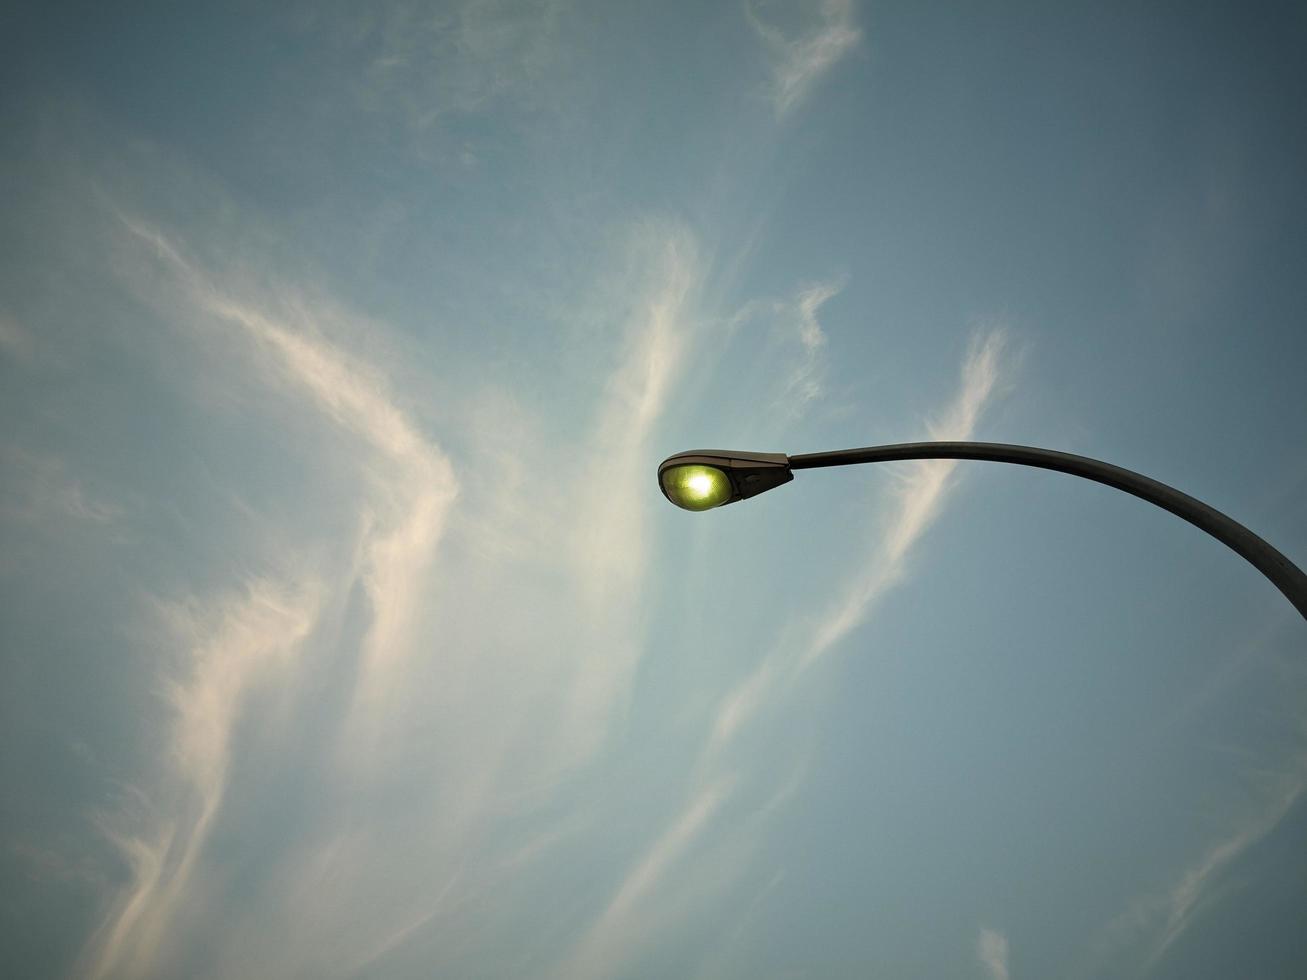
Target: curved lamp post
(707, 478)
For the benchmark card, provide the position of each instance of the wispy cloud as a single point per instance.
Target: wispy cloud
(715, 964)
(15, 342)
(804, 385)
(921, 491)
(682, 871)
(991, 948)
(614, 928)
(619, 932)
(229, 647)
(479, 725)
(1179, 904)
(422, 64)
(401, 520)
(497, 727)
(414, 486)
(38, 487)
(398, 937)
(611, 542)
(1154, 923)
(797, 349)
(801, 57)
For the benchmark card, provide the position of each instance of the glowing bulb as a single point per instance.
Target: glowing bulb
(696, 487)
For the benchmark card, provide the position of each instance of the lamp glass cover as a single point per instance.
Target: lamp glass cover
(696, 487)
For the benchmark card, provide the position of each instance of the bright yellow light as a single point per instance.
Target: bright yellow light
(696, 487)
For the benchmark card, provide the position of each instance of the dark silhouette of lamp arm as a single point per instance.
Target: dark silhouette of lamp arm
(707, 478)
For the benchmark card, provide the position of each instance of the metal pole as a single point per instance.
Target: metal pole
(1284, 574)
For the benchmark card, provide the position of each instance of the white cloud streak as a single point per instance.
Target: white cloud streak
(620, 931)
(230, 648)
(804, 384)
(611, 537)
(15, 342)
(423, 64)
(480, 728)
(666, 850)
(921, 492)
(991, 949)
(39, 488)
(1153, 924)
(638, 911)
(1180, 902)
(415, 487)
(801, 59)
(412, 490)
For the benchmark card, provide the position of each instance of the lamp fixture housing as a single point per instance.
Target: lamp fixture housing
(705, 478)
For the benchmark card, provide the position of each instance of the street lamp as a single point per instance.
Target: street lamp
(707, 478)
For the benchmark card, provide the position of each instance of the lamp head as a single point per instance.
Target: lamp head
(707, 478)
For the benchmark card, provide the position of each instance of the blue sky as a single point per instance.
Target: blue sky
(344, 631)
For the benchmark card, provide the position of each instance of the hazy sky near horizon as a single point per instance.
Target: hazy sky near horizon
(344, 632)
